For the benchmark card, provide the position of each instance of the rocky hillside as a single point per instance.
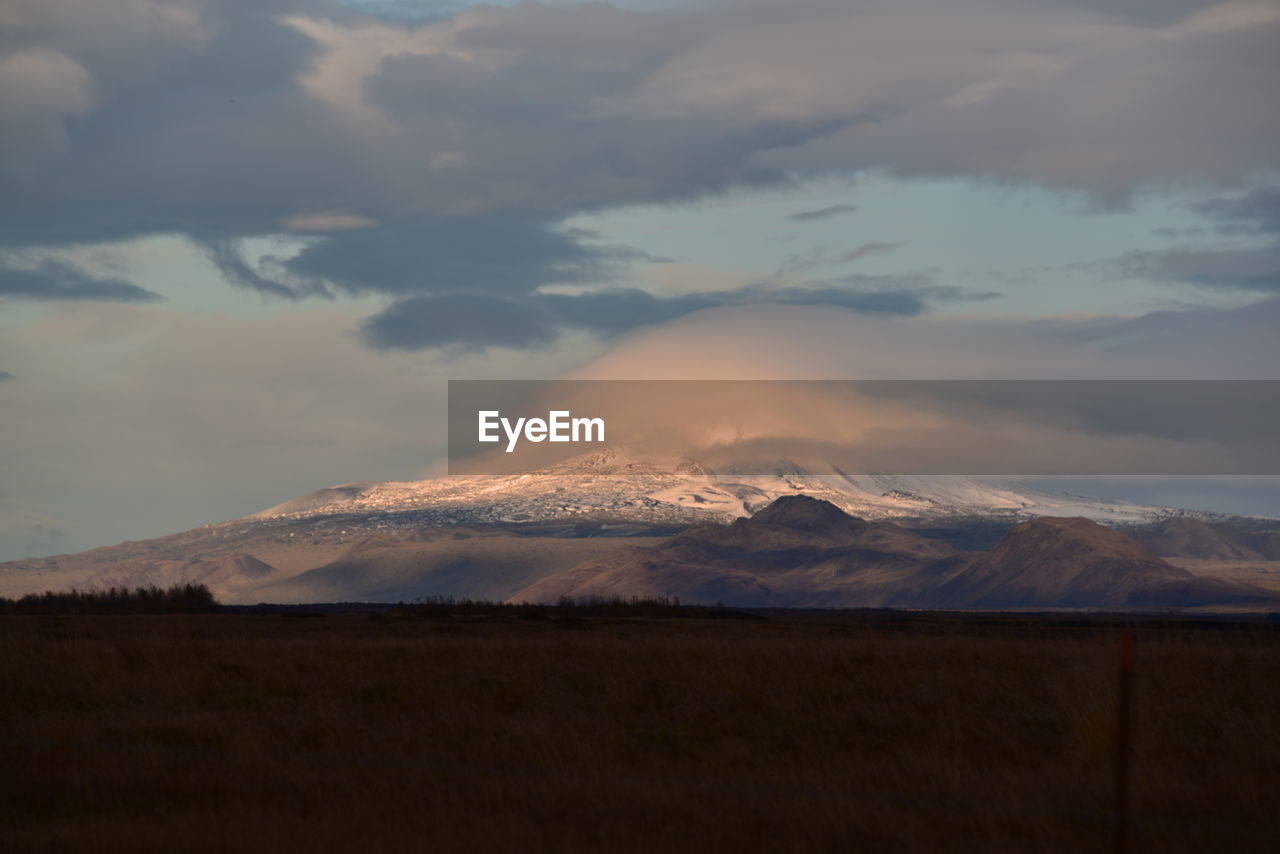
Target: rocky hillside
(805, 552)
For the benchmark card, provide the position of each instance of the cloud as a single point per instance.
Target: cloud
(1255, 212)
(469, 322)
(433, 161)
(498, 255)
(1251, 268)
(823, 256)
(227, 255)
(6, 376)
(864, 250)
(819, 342)
(822, 213)
(1087, 102)
(932, 427)
(476, 282)
(457, 321)
(470, 283)
(494, 255)
(56, 280)
(611, 312)
(1239, 269)
(1147, 427)
(1200, 343)
(226, 119)
(26, 531)
(42, 89)
(326, 222)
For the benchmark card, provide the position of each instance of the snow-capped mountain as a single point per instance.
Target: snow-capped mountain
(611, 487)
(494, 536)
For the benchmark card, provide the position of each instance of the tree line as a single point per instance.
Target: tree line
(178, 599)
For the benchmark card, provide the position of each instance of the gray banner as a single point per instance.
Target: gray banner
(963, 427)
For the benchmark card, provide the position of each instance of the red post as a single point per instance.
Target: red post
(1122, 741)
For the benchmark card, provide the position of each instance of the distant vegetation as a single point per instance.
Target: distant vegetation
(587, 606)
(178, 599)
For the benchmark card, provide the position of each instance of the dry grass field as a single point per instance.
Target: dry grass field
(359, 732)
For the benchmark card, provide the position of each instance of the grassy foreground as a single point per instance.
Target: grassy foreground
(359, 732)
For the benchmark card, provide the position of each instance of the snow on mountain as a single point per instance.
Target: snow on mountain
(610, 487)
(493, 536)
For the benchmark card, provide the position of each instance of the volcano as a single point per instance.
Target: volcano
(828, 538)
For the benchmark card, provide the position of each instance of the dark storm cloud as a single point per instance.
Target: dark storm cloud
(54, 280)
(5, 377)
(822, 213)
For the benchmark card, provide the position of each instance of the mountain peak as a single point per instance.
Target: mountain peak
(1195, 538)
(801, 522)
(1059, 562)
(1065, 535)
(804, 512)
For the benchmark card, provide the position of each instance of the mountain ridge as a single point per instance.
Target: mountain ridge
(609, 484)
(464, 536)
(805, 552)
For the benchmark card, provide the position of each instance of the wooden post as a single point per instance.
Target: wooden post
(1122, 742)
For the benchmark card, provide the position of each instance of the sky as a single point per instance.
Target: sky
(244, 243)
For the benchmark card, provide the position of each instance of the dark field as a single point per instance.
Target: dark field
(351, 731)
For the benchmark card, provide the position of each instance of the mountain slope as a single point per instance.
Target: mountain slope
(1059, 563)
(803, 552)
(1187, 537)
(221, 572)
(796, 551)
(460, 564)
